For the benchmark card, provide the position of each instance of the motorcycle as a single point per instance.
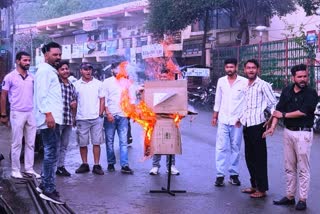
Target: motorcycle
(202, 97)
(316, 122)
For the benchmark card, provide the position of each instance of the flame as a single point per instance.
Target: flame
(122, 71)
(176, 119)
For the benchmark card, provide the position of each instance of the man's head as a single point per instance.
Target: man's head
(115, 69)
(300, 75)
(251, 69)
(52, 53)
(23, 60)
(63, 69)
(86, 70)
(230, 66)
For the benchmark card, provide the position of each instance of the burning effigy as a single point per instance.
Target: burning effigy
(162, 108)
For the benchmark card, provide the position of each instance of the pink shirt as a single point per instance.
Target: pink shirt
(20, 91)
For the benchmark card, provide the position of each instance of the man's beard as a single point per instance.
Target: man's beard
(25, 67)
(301, 87)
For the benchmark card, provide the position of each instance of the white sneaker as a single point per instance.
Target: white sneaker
(174, 170)
(16, 175)
(32, 172)
(154, 170)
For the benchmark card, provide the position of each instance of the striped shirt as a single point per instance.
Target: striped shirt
(259, 97)
(68, 95)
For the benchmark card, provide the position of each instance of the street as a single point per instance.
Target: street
(121, 193)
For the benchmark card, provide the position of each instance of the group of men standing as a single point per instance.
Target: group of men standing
(239, 112)
(48, 101)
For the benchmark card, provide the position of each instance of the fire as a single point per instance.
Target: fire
(176, 119)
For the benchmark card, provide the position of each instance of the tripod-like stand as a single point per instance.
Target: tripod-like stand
(168, 190)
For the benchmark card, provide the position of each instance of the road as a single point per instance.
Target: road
(118, 193)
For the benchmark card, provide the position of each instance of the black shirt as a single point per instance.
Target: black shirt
(304, 101)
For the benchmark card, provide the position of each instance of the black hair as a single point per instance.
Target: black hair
(20, 54)
(46, 48)
(63, 62)
(254, 61)
(231, 61)
(301, 67)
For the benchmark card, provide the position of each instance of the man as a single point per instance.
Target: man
(156, 157)
(116, 119)
(49, 111)
(69, 109)
(258, 98)
(89, 118)
(229, 103)
(18, 84)
(296, 107)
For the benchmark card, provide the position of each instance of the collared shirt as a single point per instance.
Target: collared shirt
(47, 95)
(88, 95)
(20, 91)
(258, 98)
(305, 101)
(68, 95)
(113, 90)
(229, 99)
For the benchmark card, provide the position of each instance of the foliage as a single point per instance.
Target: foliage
(5, 3)
(310, 6)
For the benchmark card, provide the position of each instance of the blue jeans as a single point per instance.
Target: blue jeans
(120, 124)
(62, 147)
(157, 158)
(228, 140)
(50, 139)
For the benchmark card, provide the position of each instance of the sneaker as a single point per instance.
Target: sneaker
(130, 140)
(83, 168)
(174, 170)
(61, 171)
(52, 196)
(16, 175)
(301, 205)
(126, 170)
(32, 172)
(219, 182)
(234, 180)
(111, 168)
(97, 169)
(40, 188)
(154, 170)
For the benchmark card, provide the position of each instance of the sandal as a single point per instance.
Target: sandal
(248, 190)
(258, 194)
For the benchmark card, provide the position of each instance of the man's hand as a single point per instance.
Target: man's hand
(277, 114)
(73, 104)
(110, 117)
(5, 121)
(214, 121)
(51, 123)
(238, 124)
(268, 123)
(268, 132)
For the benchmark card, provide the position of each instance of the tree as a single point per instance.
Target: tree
(309, 6)
(167, 16)
(5, 3)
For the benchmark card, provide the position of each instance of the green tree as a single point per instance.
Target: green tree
(309, 6)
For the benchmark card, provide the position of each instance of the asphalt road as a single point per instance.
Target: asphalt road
(119, 193)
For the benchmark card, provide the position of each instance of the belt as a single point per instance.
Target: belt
(296, 128)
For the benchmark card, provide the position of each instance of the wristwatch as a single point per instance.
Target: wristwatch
(284, 114)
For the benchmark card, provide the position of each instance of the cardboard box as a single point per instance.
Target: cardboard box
(166, 138)
(168, 96)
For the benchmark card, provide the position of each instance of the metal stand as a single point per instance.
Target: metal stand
(168, 190)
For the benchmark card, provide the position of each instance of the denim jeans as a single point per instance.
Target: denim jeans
(120, 124)
(50, 139)
(228, 141)
(157, 158)
(62, 147)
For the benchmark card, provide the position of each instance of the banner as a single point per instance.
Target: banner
(152, 51)
(198, 72)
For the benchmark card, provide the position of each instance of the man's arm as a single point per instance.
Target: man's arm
(217, 104)
(271, 99)
(3, 116)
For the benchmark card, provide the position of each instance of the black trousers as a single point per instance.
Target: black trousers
(256, 156)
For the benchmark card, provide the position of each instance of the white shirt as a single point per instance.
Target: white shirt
(229, 99)
(258, 97)
(113, 90)
(89, 94)
(47, 95)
